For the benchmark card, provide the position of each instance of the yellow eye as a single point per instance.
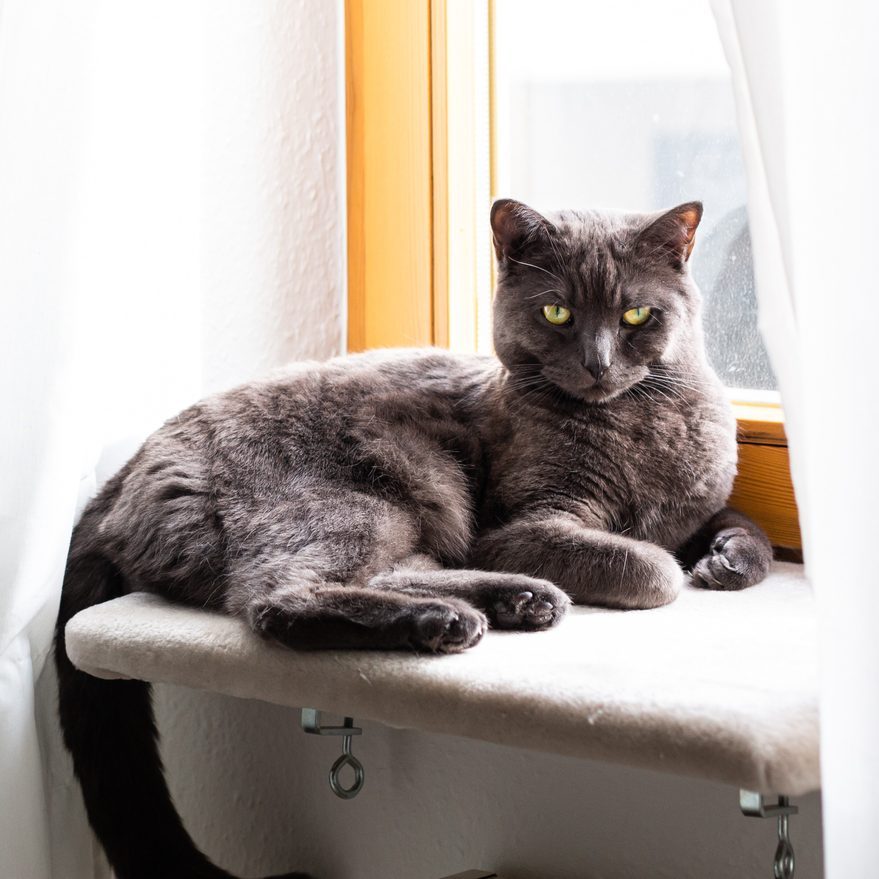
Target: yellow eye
(557, 314)
(634, 317)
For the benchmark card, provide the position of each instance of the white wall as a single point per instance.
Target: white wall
(434, 805)
(207, 231)
(273, 178)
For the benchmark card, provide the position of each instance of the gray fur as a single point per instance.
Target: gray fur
(338, 504)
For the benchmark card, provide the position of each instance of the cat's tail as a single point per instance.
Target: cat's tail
(109, 729)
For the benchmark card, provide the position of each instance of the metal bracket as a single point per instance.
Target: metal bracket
(473, 874)
(310, 720)
(753, 805)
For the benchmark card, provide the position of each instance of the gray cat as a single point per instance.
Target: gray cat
(412, 499)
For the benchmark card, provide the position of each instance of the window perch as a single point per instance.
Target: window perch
(691, 688)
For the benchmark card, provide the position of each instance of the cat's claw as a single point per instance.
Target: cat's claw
(538, 607)
(734, 561)
(448, 626)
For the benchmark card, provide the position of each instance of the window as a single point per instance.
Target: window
(630, 105)
(624, 105)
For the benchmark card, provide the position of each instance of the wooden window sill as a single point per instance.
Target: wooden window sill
(763, 489)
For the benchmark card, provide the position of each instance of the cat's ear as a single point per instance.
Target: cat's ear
(672, 234)
(516, 227)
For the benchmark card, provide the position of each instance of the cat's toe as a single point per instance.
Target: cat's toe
(447, 627)
(540, 606)
(735, 561)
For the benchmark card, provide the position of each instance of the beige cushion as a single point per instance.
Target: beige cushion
(717, 685)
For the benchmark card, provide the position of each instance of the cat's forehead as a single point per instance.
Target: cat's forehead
(595, 248)
(595, 230)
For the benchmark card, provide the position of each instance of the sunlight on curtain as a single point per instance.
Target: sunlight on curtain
(42, 101)
(807, 77)
(160, 237)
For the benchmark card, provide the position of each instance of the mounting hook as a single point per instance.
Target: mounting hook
(753, 805)
(310, 720)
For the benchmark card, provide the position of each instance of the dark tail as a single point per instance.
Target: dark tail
(109, 729)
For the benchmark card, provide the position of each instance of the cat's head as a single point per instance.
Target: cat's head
(588, 302)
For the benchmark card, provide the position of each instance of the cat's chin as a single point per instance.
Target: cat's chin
(578, 393)
(597, 396)
(594, 396)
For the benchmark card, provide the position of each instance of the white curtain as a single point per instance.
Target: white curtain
(169, 224)
(806, 76)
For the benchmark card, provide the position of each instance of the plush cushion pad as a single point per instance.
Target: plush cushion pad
(717, 685)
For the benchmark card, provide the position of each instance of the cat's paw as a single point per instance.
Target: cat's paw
(735, 560)
(447, 626)
(527, 603)
(652, 578)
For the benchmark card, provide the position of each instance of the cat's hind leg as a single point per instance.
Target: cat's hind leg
(511, 601)
(728, 552)
(333, 616)
(303, 582)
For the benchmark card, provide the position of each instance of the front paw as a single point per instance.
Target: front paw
(737, 559)
(652, 578)
(527, 603)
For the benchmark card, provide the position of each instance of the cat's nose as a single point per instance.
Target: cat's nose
(597, 355)
(597, 368)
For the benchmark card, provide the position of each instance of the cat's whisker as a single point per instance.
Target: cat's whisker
(544, 292)
(646, 388)
(520, 382)
(643, 393)
(535, 394)
(664, 382)
(539, 268)
(675, 378)
(672, 372)
(668, 393)
(683, 380)
(672, 381)
(681, 391)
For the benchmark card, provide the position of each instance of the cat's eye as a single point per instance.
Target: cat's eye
(557, 315)
(634, 317)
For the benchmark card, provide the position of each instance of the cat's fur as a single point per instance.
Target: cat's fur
(410, 499)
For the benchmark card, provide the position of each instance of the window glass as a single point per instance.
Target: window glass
(629, 105)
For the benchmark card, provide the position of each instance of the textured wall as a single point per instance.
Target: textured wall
(254, 792)
(273, 198)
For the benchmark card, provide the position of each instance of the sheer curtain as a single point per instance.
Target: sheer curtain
(807, 89)
(169, 224)
(41, 107)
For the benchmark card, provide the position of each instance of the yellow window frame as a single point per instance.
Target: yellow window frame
(404, 183)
